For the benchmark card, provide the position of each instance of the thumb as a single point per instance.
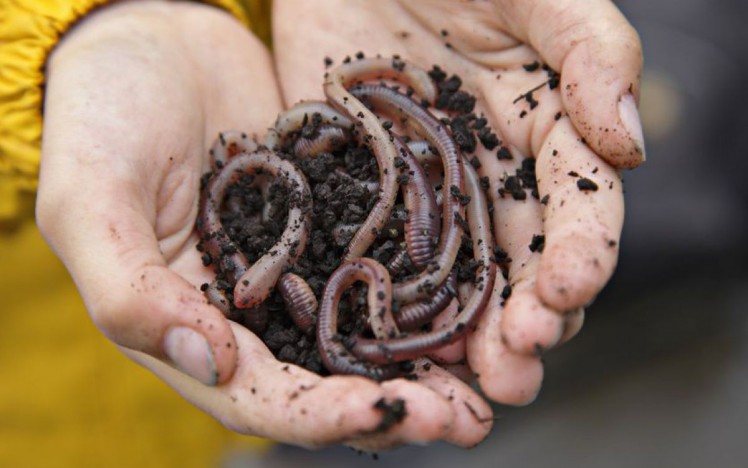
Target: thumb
(599, 56)
(133, 297)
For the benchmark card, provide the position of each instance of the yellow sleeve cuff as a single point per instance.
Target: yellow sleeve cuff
(29, 29)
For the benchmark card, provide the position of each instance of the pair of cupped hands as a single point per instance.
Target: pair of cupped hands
(137, 92)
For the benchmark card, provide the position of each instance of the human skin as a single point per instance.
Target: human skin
(598, 132)
(121, 162)
(133, 102)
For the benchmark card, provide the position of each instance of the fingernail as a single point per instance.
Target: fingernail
(190, 353)
(629, 116)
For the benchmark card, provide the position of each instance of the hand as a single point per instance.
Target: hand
(579, 132)
(136, 94)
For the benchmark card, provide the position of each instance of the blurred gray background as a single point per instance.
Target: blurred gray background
(659, 374)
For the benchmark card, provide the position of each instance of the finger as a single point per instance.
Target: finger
(583, 219)
(110, 248)
(461, 371)
(283, 402)
(574, 322)
(133, 298)
(527, 325)
(504, 376)
(473, 417)
(454, 352)
(432, 420)
(599, 56)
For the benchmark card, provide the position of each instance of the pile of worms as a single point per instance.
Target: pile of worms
(362, 288)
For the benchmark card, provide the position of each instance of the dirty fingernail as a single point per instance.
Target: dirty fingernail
(629, 115)
(190, 353)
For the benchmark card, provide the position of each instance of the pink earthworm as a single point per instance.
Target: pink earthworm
(217, 245)
(411, 346)
(427, 157)
(437, 135)
(371, 186)
(422, 224)
(299, 115)
(335, 356)
(343, 232)
(229, 144)
(256, 318)
(257, 282)
(374, 134)
(328, 139)
(300, 301)
(254, 282)
(416, 314)
(223, 252)
(399, 262)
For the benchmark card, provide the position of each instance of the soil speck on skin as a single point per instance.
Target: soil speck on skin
(538, 243)
(586, 185)
(503, 154)
(392, 413)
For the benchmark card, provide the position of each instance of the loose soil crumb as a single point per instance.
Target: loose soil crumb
(392, 413)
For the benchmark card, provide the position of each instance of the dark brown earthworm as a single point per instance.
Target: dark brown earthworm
(411, 346)
(335, 356)
(373, 133)
(418, 118)
(297, 116)
(300, 301)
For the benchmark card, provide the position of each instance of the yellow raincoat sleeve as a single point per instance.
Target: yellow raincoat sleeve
(29, 30)
(68, 398)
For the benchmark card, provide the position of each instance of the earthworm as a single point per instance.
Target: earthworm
(343, 232)
(371, 186)
(217, 297)
(299, 115)
(437, 135)
(254, 283)
(227, 145)
(224, 253)
(424, 150)
(300, 301)
(255, 318)
(328, 139)
(416, 314)
(426, 155)
(334, 354)
(399, 262)
(411, 346)
(312, 127)
(422, 224)
(374, 134)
